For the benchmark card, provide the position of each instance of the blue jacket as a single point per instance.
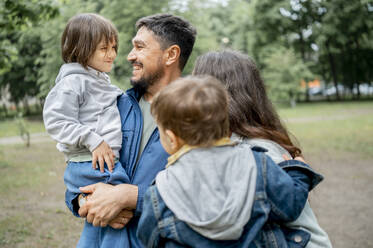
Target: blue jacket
(152, 160)
(159, 227)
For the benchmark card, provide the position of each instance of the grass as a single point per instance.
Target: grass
(332, 127)
(324, 109)
(24, 167)
(10, 127)
(32, 209)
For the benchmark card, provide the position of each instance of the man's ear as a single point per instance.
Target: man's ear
(172, 55)
(175, 141)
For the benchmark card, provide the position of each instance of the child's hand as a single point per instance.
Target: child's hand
(299, 158)
(103, 154)
(122, 219)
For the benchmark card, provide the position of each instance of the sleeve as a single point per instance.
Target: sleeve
(140, 199)
(147, 230)
(307, 221)
(60, 114)
(288, 191)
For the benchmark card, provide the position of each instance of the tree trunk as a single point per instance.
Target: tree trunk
(5, 109)
(292, 99)
(26, 106)
(333, 69)
(303, 55)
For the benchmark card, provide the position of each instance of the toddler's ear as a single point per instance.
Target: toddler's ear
(170, 136)
(175, 141)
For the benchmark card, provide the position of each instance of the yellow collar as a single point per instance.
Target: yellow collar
(186, 148)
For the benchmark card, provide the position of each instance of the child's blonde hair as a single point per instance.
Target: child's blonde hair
(194, 108)
(82, 35)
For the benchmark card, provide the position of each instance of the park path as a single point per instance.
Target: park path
(34, 138)
(44, 137)
(333, 117)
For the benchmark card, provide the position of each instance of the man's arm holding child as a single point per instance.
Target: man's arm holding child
(107, 201)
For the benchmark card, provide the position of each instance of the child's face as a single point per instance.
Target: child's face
(103, 57)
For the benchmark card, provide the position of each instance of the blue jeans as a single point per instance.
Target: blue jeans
(79, 174)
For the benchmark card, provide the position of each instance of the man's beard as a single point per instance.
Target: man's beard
(146, 81)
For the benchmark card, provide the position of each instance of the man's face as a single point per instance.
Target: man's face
(146, 58)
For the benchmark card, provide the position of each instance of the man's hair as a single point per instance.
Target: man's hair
(194, 108)
(171, 30)
(82, 35)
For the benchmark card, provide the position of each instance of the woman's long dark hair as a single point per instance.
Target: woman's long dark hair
(251, 113)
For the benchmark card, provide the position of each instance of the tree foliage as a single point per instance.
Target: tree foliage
(283, 73)
(289, 39)
(16, 16)
(20, 46)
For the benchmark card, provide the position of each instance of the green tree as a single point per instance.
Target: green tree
(16, 16)
(344, 38)
(21, 79)
(283, 74)
(205, 17)
(20, 46)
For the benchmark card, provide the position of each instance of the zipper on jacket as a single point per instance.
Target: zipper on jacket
(133, 172)
(138, 134)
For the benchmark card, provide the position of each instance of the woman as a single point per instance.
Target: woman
(253, 120)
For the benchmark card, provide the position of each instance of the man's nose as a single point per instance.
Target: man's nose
(131, 56)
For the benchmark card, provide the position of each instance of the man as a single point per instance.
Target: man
(161, 48)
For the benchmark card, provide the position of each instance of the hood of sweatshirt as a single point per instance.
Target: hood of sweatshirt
(211, 189)
(78, 69)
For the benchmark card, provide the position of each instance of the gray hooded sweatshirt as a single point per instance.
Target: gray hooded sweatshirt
(81, 111)
(211, 189)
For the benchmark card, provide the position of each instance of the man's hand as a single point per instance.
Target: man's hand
(103, 154)
(106, 201)
(122, 219)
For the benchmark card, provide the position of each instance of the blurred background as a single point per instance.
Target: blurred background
(316, 58)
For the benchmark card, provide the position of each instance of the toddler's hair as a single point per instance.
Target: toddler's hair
(82, 35)
(195, 108)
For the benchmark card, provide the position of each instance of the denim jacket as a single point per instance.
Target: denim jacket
(307, 220)
(159, 227)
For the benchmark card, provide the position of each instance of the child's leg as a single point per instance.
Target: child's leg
(79, 174)
(103, 237)
(82, 174)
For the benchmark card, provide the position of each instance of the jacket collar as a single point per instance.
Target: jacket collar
(186, 148)
(135, 93)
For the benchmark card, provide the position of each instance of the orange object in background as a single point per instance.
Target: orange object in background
(311, 84)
